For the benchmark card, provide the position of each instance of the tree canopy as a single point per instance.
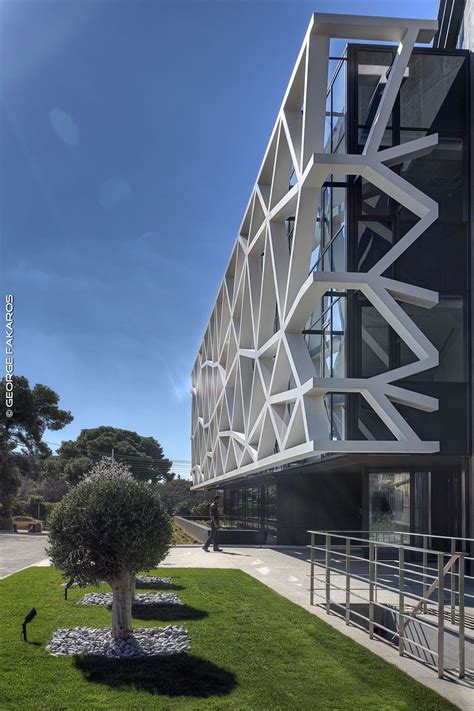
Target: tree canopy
(109, 527)
(35, 410)
(144, 455)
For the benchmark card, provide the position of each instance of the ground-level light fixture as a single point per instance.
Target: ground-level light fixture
(69, 584)
(28, 618)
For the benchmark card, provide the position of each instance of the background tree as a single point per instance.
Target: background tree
(35, 410)
(144, 455)
(10, 481)
(108, 528)
(179, 500)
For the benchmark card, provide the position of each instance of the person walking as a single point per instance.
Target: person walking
(215, 522)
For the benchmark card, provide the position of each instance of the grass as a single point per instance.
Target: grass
(252, 650)
(180, 537)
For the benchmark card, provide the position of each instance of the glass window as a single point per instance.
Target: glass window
(327, 125)
(443, 325)
(375, 238)
(460, 38)
(443, 251)
(433, 94)
(375, 342)
(338, 122)
(374, 202)
(335, 404)
(369, 424)
(441, 174)
(389, 502)
(325, 337)
(335, 123)
(387, 138)
(372, 78)
(329, 251)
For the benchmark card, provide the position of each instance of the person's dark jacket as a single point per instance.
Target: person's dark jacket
(214, 514)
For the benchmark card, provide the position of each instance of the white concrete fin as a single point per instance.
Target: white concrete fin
(257, 399)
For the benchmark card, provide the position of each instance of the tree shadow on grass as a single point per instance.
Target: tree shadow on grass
(159, 586)
(167, 613)
(177, 675)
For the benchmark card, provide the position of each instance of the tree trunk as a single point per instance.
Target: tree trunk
(122, 588)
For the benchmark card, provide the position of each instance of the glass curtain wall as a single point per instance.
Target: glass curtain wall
(389, 503)
(432, 99)
(325, 330)
(252, 507)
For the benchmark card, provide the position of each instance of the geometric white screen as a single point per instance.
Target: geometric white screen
(258, 401)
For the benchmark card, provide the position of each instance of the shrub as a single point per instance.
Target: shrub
(108, 528)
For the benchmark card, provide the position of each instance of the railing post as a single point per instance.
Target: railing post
(376, 549)
(425, 567)
(311, 577)
(328, 572)
(348, 581)
(453, 584)
(371, 588)
(401, 601)
(462, 647)
(440, 615)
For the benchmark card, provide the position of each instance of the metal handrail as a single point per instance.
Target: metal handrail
(390, 544)
(448, 580)
(335, 531)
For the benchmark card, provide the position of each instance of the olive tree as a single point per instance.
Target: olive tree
(108, 528)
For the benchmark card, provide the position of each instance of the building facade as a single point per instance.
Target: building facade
(332, 388)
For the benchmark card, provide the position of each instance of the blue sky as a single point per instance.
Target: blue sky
(131, 135)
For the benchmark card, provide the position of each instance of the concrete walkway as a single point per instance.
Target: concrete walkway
(286, 571)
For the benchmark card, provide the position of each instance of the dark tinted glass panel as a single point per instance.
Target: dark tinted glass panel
(433, 95)
(375, 238)
(441, 175)
(375, 342)
(372, 78)
(448, 425)
(374, 203)
(443, 325)
(369, 424)
(387, 140)
(443, 252)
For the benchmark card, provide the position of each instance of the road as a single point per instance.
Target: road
(19, 550)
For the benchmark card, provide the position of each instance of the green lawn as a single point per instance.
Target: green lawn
(252, 650)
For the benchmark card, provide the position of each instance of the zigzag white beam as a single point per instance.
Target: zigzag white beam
(258, 402)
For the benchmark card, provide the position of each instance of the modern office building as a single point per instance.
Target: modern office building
(333, 386)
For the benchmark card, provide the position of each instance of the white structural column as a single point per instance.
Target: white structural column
(257, 399)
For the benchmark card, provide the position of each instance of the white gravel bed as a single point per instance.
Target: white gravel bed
(146, 642)
(152, 580)
(105, 598)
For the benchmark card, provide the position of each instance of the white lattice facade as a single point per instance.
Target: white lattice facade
(259, 402)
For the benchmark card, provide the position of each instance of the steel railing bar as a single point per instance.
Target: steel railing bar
(340, 551)
(410, 594)
(343, 532)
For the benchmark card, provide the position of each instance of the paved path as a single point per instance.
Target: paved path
(286, 571)
(19, 550)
